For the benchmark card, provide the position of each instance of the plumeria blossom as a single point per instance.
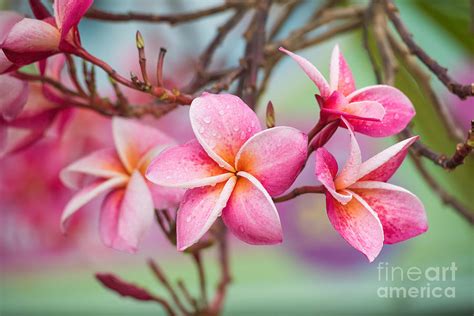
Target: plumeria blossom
(361, 206)
(7, 20)
(28, 110)
(128, 208)
(377, 110)
(232, 169)
(31, 40)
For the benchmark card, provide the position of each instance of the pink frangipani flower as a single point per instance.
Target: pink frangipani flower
(28, 110)
(361, 206)
(232, 169)
(128, 209)
(377, 111)
(31, 40)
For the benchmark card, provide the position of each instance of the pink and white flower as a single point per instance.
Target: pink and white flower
(377, 111)
(361, 206)
(31, 40)
(128, 208)
(232, 169)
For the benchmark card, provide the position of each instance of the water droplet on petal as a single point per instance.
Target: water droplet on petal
(188, 219)
(241, 228)
(242, 135)
(201, 130)
(397, 116)
(235, 128)
(221, 112)
(249, 129)
(168, 177)
(252, 124)
(207, 119)
(214, 134)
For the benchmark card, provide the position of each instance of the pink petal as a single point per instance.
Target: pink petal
(398, 110)
(251, 214)
(312, 72)
(222, 123)
(275, 157)
(134, 140)
(165, 197)
(340, 74)
(7, 20)
(402, 214)
(186, 166)
(199, 210)
(68, 13)
(30, 35)
(88, 193)
(350, 172)
(5, 64)
(358, 224)
(103, 164)
(126, 215)
(14, 94)
(370, 110)
(382, 166)
(326, 170)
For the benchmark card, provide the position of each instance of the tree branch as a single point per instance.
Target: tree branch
(299, 191)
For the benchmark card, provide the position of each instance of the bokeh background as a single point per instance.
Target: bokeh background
(314, 272)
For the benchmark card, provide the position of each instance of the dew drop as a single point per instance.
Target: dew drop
(221, 112)
(168, 177)
(188, 219)
(397, 116)
(235, 128)
(252, 124)
(207, 119)
(201, 130)
(214, 134)
(242, 135)
(241, 228)
(249, 129)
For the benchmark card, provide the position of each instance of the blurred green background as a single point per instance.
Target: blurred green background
(314, 272)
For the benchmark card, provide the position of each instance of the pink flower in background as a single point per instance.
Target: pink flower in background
(128, 209)
(361, 206)
(31, 40)
(231, 168)
(376, 111)
(30, 109)
(7, 20)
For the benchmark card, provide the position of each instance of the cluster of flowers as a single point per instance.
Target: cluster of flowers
(232, 168)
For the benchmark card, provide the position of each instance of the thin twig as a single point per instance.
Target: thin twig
(299, 191)
(462, 91)
(202, 277)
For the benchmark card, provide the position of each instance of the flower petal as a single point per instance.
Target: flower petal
(358, 224)
(102, 163)
(251, 214)
(186, 166)
(275, 157)
(382, 166)
(350, 172)
(341, 78)
(222, 123)
(88, 193)
(312, 72)
(7, 20)
(369, 110)
(126, 215)
(14, 94)
(326, 170)
(398, 110)
(401, 213)
(134, 140)
(165, 197)
(68, 13)
(30, 35)
(199, 210)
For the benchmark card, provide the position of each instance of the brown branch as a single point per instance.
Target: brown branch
(202, 277)
(447, 198)
(463, 150)
(423, 79)
(191, 300)
(299, 191)
(287, 10)
(164, 280)
(171, 19)
(380, 34)
(254, 53)
(462, 91)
